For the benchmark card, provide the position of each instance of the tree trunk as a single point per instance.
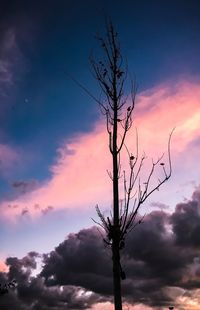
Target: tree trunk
(111, 74)
(116, 275)
(116, 234)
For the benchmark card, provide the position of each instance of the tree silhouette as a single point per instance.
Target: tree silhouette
(111, 72)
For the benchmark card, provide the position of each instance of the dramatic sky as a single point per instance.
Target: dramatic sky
(54, 154)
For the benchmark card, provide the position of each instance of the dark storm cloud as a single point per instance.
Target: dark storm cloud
(32, 293)
(20, 269)
(186, 222)
(155, 257)
(161, 253)
(80, 260)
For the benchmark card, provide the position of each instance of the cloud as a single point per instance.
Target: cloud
(83, 254)
(186, 221)
(3, 267)
(7, 46)
(159, 205)
(78, 176)
(47, 210)
(11, 61)
(9, 158)
(5, 74)
(159, 268)
(71, 184)
(32, 293)
(161, 261)
(15, 34)
(126, 306)
(25, 186)
(170, 105)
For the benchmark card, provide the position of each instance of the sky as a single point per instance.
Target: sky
(54, 154)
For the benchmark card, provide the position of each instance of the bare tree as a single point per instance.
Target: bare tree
(111, 72)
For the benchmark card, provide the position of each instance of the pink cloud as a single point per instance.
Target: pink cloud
(109, 306)
(3, 267)
(72, 183)
(189, 301)
(78, 176)
(168, 106)
(182, 300)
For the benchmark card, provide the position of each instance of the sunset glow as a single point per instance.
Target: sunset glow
(56, 167)
(153, 124)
